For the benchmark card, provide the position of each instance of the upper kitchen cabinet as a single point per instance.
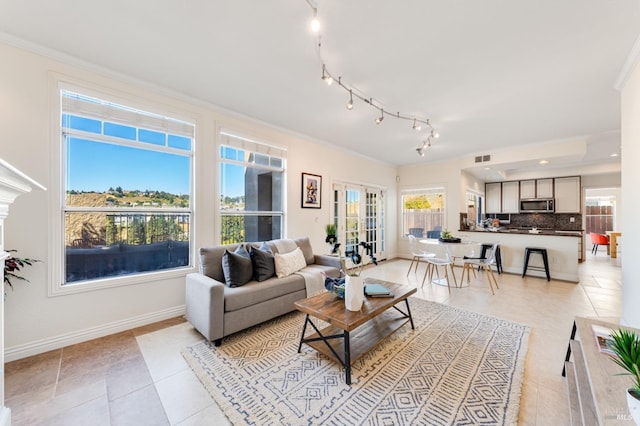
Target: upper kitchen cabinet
(544, 188)
(493, 197)
(536, 188)
(510, 197)
(527, 189)
(502, 197)
(568, 199)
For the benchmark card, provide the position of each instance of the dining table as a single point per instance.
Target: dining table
(455, 251)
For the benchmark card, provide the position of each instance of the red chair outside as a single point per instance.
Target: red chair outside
(598, 240)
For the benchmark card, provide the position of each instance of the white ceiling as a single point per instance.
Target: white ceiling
(489, 74)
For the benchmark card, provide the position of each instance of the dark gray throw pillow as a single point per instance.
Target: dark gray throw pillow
(264, 266)
(236, 267)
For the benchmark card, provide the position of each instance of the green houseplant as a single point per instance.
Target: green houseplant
(13, 264)
(331, 229)
(626, 346)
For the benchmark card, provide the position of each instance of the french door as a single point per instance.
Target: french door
(358, 212)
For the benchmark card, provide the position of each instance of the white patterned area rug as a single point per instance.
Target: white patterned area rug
(456, 367)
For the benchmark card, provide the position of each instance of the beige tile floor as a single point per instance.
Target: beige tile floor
(140, 378)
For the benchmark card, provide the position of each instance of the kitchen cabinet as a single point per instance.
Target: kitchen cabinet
(536, 188)
(568, 199)
(493, 197)
(510, 197)
(527, 189)
(544, 188)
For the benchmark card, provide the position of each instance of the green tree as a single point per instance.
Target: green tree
(416, 202)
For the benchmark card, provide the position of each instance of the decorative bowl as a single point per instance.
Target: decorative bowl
(335, 285)
(339, 291)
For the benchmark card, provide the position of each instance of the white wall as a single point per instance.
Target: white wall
(35, 322)
(630, 178)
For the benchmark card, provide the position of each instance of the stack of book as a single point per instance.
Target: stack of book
(377, 290)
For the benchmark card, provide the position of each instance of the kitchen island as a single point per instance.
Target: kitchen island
(563, 248)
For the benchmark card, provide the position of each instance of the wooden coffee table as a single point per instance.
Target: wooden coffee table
(370, 325)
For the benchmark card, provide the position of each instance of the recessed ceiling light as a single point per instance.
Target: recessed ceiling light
(543, 161)
(487, 168)
(615, 154)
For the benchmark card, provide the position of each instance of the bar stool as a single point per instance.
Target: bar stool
(545, 259)
(483, 255)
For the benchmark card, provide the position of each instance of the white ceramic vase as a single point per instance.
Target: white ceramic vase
(353, 293)
(634, 406)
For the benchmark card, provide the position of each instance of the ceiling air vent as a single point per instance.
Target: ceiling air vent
(482, 158)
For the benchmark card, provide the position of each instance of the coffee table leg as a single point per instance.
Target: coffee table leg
(347, 358)
(304, 330)
(408, 312)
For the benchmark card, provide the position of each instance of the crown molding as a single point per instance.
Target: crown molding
(629, 65)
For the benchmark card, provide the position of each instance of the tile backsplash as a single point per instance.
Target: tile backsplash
(554, 221)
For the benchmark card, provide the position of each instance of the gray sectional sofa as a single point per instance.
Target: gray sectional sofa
(217, 310)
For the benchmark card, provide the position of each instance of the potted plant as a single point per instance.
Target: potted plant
(13, 264)
(626, 346)
(331, 230)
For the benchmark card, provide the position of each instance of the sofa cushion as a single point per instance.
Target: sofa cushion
(236, 267)
(305, 245)
(256, 292)
(288, 263)
(263, 262)
(211, 260)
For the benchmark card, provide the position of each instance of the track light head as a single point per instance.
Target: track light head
(379, 119)
(315, 23)
(350, 104)
(416, 126)
(434, 134)
(325, 76)
(420, 151)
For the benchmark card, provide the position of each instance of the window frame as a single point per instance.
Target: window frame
(238, 141)
(433, 189)
(57, 253)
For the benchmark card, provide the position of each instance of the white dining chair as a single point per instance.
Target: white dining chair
(443, 259)
(418, 253)
(486, 264)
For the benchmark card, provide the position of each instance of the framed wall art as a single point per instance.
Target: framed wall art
(311, 191)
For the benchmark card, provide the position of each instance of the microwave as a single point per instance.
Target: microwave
(542, 205)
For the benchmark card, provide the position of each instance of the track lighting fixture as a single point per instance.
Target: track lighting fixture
(418, 123)
(315, 23)
(422, 148)
(326, 77)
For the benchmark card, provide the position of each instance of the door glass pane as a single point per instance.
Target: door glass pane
(352, 219)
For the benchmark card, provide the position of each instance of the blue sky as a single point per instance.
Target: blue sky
(97, 166)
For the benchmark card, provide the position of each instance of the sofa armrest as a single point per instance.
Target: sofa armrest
(204, 301)
(325, 259)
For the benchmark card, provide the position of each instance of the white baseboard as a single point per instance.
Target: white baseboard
(33, 348)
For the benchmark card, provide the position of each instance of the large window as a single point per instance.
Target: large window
(252, 182)
(126, 207)
(423, 212)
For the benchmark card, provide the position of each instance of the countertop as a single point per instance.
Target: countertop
(523, 231)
